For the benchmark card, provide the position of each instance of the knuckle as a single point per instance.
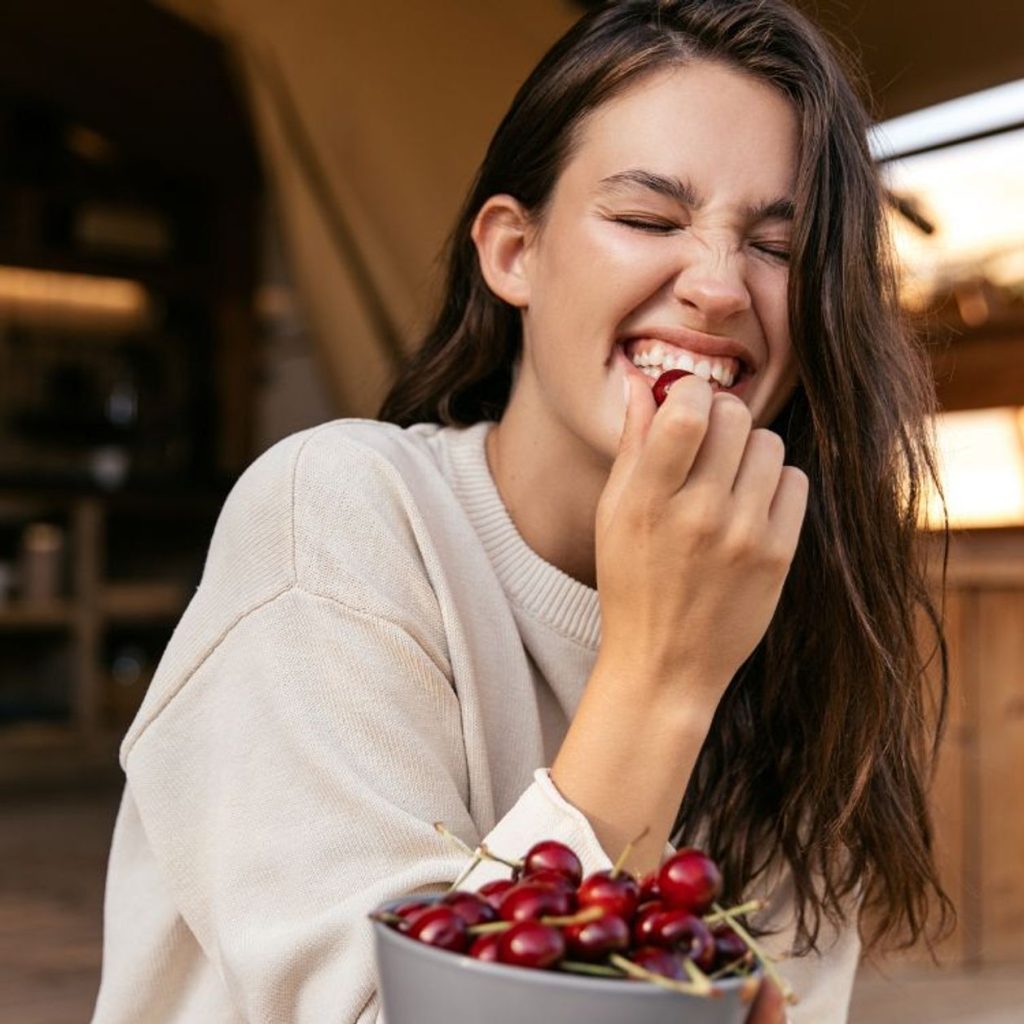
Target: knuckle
(732, 408)
(768, 442)
(683, 418)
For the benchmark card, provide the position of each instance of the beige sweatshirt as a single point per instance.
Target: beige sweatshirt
(372, 648)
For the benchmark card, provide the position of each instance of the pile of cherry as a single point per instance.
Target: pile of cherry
(665, 928)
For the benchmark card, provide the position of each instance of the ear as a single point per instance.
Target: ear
(502, 233)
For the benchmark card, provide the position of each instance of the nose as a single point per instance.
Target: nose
(712, 282)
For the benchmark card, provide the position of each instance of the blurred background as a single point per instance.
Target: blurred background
(220, 223)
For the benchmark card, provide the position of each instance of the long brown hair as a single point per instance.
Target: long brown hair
(819, 753)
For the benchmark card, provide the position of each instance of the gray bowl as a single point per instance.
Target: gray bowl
(423, 985)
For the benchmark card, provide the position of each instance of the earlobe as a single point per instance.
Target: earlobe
(500, 233)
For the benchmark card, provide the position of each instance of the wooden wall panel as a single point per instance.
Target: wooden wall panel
(999, 652)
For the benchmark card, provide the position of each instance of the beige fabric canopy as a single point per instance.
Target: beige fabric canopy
(372, 120)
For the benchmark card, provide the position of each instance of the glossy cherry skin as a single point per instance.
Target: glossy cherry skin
(485, 947)
(548, 876)
(527, 902)
(690, 879)
(551, 855)
(493, 892)
(407, 910)
(594, 940)
(659, 961)
(680, 930)
(729, 947)
(473, 909)
(618, 895)
(649, 887)
(664, 383)
(439, 926)
(642, 922)
(531, 944)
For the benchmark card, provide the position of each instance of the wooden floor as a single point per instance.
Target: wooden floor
(53, 849)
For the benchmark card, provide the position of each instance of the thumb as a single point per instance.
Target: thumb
(640, 410)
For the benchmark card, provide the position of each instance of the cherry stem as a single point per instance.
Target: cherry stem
(492, 927)
(728, 968)
(627, 851)
(385, 917)
(439, 827)
(698, 977)
(766, 961)
(636, 971)
(575, 967)
(489, 854)
(467, 871)
(744, 908)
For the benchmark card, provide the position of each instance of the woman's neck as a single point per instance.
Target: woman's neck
(550, 488)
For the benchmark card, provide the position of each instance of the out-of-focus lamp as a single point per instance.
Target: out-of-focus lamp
(981, 460)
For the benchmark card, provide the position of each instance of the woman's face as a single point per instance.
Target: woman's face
(664, 243)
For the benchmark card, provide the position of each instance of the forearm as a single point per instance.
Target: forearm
(627, 759)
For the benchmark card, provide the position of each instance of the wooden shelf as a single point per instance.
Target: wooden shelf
(150, 601)
(21, 615)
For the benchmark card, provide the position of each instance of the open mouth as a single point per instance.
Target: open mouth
(653, 357)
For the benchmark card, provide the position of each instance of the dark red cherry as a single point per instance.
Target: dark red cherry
(531, 944)
(551, 855)
(659, 961)
(528, 902)
(492, 892)
(680, 930)
(441, 927)
(645, 913)
(485, 948)
(548, 876)
(407, 910)
(473, 909)
(594, 940)
(690, 879)
(729, 947)
(649, 887)
(664, 383)
(618, 895)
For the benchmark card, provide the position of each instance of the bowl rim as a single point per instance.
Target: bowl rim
(560, 979)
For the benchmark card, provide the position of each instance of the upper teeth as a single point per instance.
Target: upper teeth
(658, 358)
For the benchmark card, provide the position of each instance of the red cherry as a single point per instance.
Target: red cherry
(486, 948)
(492, 892)
(664, 383)
(690, 879)
(441, 927)
(729, 947)
(680, 930)
(659, 961)
(406, 910)
(649, 887)
(472, 908)
(618, 895)
(548, 876)
(594, 940)
(551, 855)
(531, 944)
(642, 922)
(526, 901)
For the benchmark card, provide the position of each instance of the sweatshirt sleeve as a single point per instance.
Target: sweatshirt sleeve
(297, 746)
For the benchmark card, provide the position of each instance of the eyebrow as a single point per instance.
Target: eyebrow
(683, 193)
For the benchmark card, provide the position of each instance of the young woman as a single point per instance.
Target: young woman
(534, 604)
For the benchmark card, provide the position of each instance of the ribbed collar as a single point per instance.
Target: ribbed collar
(569, 607)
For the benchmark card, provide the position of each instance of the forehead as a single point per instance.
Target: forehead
(729, 133)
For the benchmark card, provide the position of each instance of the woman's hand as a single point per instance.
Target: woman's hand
(769, 1007)
(695, 533)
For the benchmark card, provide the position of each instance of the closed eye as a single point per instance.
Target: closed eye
(658, 227)
(778, 252)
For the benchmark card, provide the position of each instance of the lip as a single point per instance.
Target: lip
(693, 341)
